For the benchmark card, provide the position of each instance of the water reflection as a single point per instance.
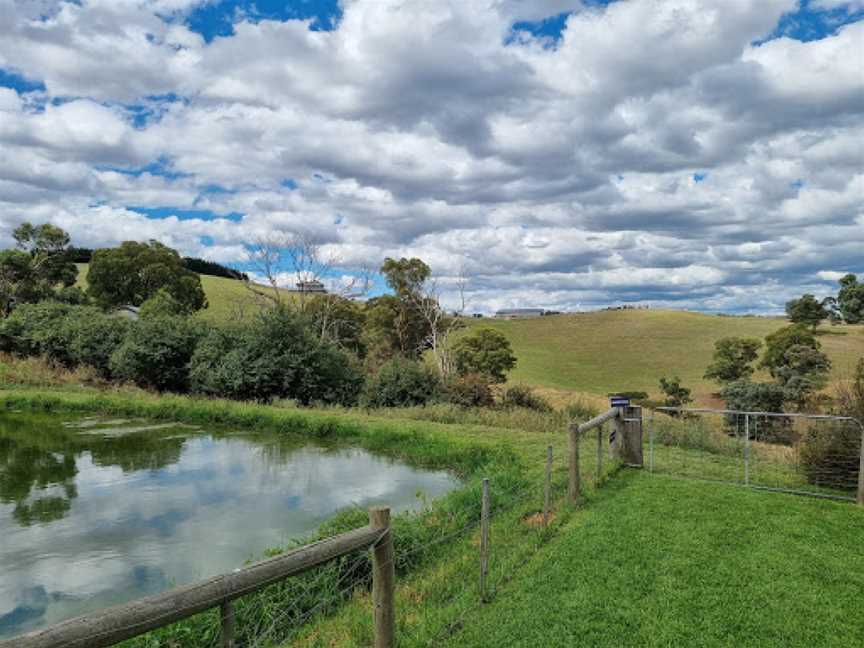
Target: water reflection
(92, 515)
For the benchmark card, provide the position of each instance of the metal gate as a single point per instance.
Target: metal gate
(808, 454)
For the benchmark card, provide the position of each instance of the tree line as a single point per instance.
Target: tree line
(396, 349)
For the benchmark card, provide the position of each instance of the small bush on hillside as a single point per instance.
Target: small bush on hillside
(676, 394)
(580, 411)
(275, 356)
(747, 396)
(484, 351)
(524, 396)
(470, 390)
(401, 383)
(156, 352)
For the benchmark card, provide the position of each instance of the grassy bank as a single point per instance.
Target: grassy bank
(440, 535)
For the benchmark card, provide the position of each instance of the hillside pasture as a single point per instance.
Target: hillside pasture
(607, 351)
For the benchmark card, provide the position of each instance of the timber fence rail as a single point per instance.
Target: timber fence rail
(117, 623)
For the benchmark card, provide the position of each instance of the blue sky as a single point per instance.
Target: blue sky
(560, 153)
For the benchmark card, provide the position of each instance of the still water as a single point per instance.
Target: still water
(95, 512)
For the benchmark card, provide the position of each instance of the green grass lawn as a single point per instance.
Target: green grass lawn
(654, 561)
(611, 351)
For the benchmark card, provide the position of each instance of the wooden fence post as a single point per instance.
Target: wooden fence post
(547, 493)
(631, 436)
(574, 487)
(599, 455)
(484, 540)
(383, 579)
(228, 624)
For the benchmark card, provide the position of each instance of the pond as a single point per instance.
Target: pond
(95, 512)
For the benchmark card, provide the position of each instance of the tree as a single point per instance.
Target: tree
(406, 277)
(396, 324)
(134, 272)
(806, 310)
(38, 269)
(484, 351)
(746, 396)
(676, 394)
(733, 357)
(850, 300)
(780, 341)
(804, 372)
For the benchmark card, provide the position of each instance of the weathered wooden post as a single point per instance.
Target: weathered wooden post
(484, 540)
(631, 436)
(228, 624)
(383, 579)
(547, 493)
(574, 489)
(599, 455)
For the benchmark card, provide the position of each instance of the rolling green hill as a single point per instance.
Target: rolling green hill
(595, 353)
(609, 351)
(226, 297)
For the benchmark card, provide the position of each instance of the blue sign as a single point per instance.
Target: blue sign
(619, 401)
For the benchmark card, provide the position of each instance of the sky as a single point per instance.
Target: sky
(566, 154)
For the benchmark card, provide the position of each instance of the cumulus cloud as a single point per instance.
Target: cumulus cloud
(656, 151)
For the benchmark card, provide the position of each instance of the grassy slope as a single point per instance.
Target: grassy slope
(629, 350)
(596, 353)
(227, 297)
(663, 562)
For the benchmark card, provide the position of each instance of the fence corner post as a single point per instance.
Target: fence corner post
(383, 579)
(574, 487)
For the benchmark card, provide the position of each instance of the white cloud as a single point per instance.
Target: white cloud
(554, 175)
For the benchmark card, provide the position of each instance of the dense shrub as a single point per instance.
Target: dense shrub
(829, 452)
(36, 330)
(275, 356)
(156, 353)
(470, 390)
(401, 382)
(161, 304)
(524, 396)
(92, 338)
(747, 396)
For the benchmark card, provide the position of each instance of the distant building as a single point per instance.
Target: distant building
(127, 311)
(519, 313)
(313, 286)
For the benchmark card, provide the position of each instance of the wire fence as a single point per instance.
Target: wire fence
(808, 454)
(437, 568)
(437, 558)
